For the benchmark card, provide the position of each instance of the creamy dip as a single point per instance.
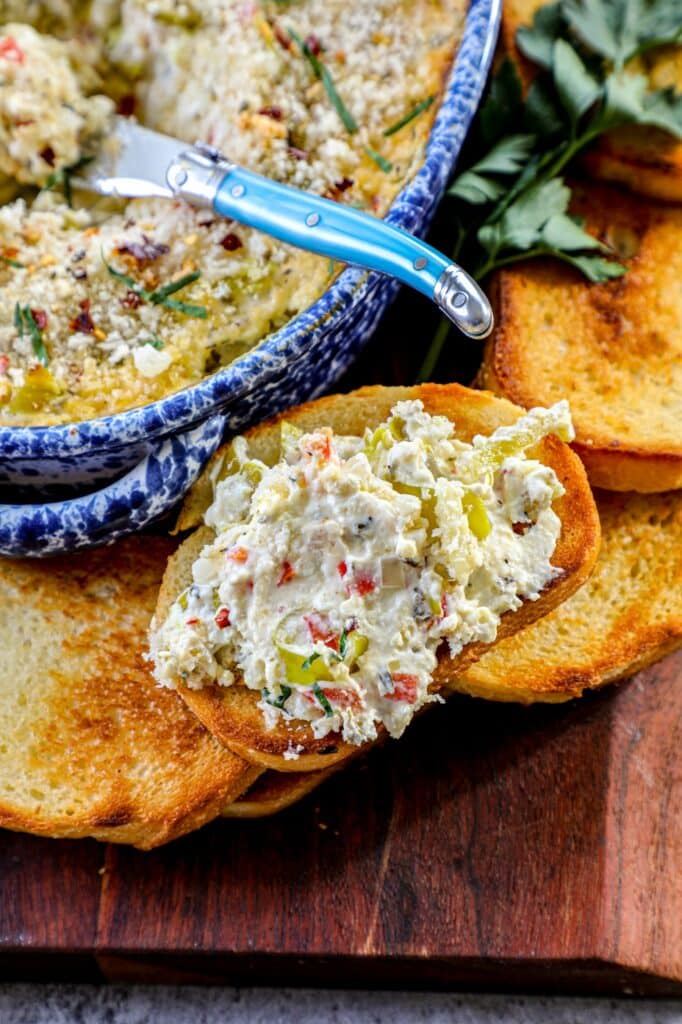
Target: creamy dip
(104, 306)
(336, 575)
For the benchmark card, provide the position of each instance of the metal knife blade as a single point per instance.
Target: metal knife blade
(131, 163)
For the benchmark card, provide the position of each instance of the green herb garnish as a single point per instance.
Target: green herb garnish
(63, 178)
(161, 297)
(510, 203)
(305, 665)
(12, 263)
(321, 71)
(154, 341)
(378, 159)
(343, 644)
(324, 701)
(281, 700)
(408, 118)
(25, 320)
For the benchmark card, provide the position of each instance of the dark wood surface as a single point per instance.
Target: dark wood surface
(532, 848)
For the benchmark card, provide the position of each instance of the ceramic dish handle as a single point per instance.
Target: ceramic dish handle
(203, 177)
(144, 494)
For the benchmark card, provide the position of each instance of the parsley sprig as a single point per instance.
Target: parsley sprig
(25, 320)
(511, 201)
(162, 296)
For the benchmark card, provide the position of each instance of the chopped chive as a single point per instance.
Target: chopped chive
(24, 318)
(343, 644)
(324, 702)
(408, 118)
(63, 178)
(281, 700)
(175, 286)
(12, 263)
(322, 72)
(378, 159)
(161, 297)
(155, 342)
(305, 665)
(36, 337)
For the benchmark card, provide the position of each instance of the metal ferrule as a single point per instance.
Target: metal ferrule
(197, 173)
(461, 299)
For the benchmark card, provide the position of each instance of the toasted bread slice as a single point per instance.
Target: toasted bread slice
(231, 713)
(91, 746)
(626, 616)
(614, 350)
(645, 160)
(274, 792)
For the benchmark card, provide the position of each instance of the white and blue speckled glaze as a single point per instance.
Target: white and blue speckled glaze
(155, 453)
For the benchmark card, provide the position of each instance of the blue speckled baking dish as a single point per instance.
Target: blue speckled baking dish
(126, 470)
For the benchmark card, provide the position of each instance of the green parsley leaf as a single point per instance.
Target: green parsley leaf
(502, 104)
(322, 72)
(575, 86)
(410, 117)
(506, 157)
(322, 698)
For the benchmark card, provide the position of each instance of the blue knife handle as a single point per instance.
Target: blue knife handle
(350, 236)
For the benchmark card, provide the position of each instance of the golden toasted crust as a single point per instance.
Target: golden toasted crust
(274, 792)
(645, 160)
(231, 713)
(626, 616)
(90, 745)
(614, 350)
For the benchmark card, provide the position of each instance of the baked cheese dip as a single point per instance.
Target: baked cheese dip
(337, 575)
(105, 306)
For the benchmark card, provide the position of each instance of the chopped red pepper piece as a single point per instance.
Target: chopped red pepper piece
(10, 50)
(320, 445)
(238, 554)
(4, 365)
(404, 688)
(342, 569)
(222, 619)
(363, 583)
(191, 622)
(274, 112)
(320, 629)
(288, 573)
(344, 698)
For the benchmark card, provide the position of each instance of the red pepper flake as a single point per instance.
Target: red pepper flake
(363, 583)
(145, 251)
(40, 317)
(342, 569)
(131, 300)
(83, 323)
(206, 223)
(521, 529)
(313, 44)
(48, 155)
(4, 365)
(281, 37)
(404, 688)
(320, 628)
(231, 242)
(126, 105)
(238, 554)
(10, 50)
(344, 184)
(288, 573)
(222, 619)
(191, 622)
(274, 112)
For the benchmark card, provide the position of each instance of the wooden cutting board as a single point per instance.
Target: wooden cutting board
(494, 846)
